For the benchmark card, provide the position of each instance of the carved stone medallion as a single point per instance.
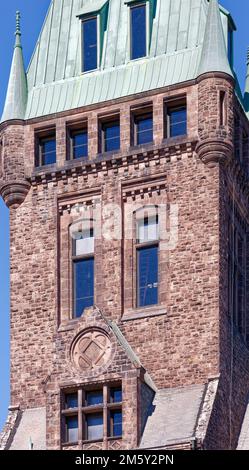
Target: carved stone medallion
(91, 350)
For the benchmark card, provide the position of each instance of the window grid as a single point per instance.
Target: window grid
(92, 422)
(142, 128)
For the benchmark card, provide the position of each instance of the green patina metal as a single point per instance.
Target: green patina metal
(178, 53)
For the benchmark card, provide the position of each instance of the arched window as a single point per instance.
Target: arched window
(83, 266)
(147, 254)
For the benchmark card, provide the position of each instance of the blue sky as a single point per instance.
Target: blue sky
(33, 13)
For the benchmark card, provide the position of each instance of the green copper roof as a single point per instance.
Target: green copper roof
(16, 98)
(214, 53)
(55, 81)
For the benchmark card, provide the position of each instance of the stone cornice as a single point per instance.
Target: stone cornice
(114, 163)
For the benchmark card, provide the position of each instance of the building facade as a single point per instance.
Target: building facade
(124, 164)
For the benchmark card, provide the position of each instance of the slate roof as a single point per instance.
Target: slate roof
(174, 416)
(55, 81)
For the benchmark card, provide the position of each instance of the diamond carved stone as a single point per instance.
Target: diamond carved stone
(91, 350)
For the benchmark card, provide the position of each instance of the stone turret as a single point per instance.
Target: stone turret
(13, 184)
(215, 94)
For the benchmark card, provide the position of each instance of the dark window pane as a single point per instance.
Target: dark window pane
(178, 122)
(72, 400)
(48, 151)
(72, 428)
(80, 145)
(94, 424)
(83, 285)
(144, 129)
(116, 395)
(138, 32)
(94, 398)
(111, 136)
(148, 276)
(90, 48)
(116, 417)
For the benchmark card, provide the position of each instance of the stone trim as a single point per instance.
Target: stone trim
(9, 427)
(206, 410)
(114, 164)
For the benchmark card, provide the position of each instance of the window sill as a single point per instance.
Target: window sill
(136, 314)
(175, 140)
(72, 444)
(68, 325)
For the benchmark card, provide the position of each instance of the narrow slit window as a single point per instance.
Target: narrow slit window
(138, 31)
(89, 44)
(222, 108)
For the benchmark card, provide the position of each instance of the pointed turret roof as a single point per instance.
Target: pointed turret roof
(214, 54)
(16, 98)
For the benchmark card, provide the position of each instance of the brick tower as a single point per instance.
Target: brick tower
(124, 164)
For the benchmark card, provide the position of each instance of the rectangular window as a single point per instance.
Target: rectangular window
(46, 150)
(116, 423)
(99, 411)
(109, 137)
(176, 119)
(222, 108)
(89, 44)
(78, 144)
(138, 27)
(142, 129)
(83, 271)
(72, 429)
(147, 276)
(94, 427)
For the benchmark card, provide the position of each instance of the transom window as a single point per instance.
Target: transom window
(89, 44)
(46, 150)
(78, 144)
(176, 119)
(109, 138)
(83, 270)
(147, 254)
(92, 415)
(138, 28)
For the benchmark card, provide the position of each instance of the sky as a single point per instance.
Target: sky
(32, 17)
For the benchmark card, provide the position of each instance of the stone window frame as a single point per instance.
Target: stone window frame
(42, 134)
(74, 128)
(137, 111)
(136, 247)
(65, 252)
(103, 119)
(171, 103)
(129, 283)
(83, 410)
(74, 259)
